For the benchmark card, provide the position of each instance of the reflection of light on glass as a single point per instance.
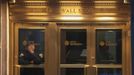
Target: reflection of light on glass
(110, 31)
(105, 18)
(84, 53)
(42, 31)
(105, 13)
(66, 43)
(126, 1)
(24, 42)
(71, 18)
(13, 1)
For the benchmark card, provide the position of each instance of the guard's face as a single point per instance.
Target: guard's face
(31, 48)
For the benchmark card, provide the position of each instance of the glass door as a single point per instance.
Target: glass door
(108, 50)
(92, 50)
(29, 49)
(74, 50)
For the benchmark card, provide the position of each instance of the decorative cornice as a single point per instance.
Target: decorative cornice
(38, 10)
(63, 3)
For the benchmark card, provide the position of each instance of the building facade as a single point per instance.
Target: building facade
(71, 37)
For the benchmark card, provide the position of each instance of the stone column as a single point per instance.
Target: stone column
(4, 22)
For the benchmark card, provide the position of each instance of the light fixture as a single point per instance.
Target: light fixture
(105, 1)
(40, 14)
(71, 18)
(36, 18)
(105, 18)
(34, 1)
(100, 6)
(111, 14)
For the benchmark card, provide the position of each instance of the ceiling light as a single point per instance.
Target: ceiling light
(105, 18)
(105, 13)
(105, 6)
(105, 1)
(71, 18)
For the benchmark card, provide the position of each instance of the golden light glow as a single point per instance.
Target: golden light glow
(36, 18)
(110, 31)
(34, 1)
(45, 7)
(12, 1)
(70, 10)
(105, 18)
(126, 1)
(69, 1)
(35, 14)
(105, 6)
(86, 66)
(105, 1)
(71, 18)
(105, 14)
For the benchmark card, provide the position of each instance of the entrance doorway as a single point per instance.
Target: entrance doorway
(77, 49)
(30, 46)
(92, 50)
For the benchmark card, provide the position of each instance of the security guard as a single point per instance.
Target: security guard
(29, 56)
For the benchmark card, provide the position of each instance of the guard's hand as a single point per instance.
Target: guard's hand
(31, 51)
(41, 55)
(31, 62)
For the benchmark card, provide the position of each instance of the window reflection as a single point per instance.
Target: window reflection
(32, 71)
(31, 46)
(72, 71)
(108, 71)
(31, 51)
(108, 46)
(73, 46)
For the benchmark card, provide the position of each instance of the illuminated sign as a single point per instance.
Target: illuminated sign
(64, 10)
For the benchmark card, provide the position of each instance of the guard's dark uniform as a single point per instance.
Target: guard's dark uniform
(103, 54)
(25, 58)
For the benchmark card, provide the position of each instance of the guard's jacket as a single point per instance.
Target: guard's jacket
(29, 58)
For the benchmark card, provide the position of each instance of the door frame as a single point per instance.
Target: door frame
(91, 45)
(15, 36)
(48, 54)
(72, 26)
(122, 65)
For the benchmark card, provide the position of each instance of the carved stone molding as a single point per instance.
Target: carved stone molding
(29, 8)
(64, 3)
